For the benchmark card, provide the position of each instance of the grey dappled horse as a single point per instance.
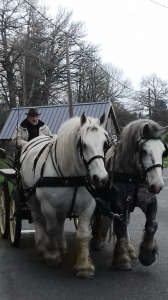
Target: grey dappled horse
(135, 165)
(77, 151)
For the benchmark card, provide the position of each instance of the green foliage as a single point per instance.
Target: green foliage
(3, 165)
(165, 138)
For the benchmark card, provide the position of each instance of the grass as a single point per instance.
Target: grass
(165, 160)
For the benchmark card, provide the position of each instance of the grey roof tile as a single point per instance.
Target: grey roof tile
(55, 115)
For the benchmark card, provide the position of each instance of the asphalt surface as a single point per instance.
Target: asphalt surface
(24, 276)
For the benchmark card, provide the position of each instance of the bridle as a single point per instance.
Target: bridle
(139, 150)
(87, 163)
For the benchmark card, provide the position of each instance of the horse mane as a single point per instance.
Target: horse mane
(68, 137)
(134, 130)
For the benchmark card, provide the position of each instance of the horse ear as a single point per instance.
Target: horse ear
(102, 119)
(146, 130)
(83, 119)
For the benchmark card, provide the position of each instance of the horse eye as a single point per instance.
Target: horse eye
(84, 146)
(105, 145)
(144, 152)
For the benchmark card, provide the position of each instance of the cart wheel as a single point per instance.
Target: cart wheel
(15, 222)
(4, 209)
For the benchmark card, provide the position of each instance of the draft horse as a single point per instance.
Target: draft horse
(135, 166)
(56, 171)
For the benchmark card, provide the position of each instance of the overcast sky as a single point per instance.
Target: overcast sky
(132, 34)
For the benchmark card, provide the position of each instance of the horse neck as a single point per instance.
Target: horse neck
(124, 161)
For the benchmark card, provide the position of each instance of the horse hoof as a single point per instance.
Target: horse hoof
(132, 255)
(53, 263)
(85, 274)
(146, 259)
(96, 245)
(122, 267)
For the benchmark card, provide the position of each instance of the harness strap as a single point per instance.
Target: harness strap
(73, 203)
(93, 158)
(38, 156)
(153, 166)
(99, 202)
(42, 169)
(33, 145)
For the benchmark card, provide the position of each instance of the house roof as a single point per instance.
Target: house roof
(55, 115)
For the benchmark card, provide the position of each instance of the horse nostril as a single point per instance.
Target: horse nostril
(155, 190)
(152, 188)
(103, 181)
(95, 178)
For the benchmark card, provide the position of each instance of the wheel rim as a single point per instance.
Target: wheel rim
(12, 220)
(2, 211)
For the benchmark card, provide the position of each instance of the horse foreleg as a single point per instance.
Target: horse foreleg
(83, 267)
(123, 248)
(128, 245)
(148, 248)
(100, 226)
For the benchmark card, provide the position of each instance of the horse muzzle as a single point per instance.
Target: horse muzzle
(99, 181)
(155, 189)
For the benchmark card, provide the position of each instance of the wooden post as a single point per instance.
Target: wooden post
(69, 78)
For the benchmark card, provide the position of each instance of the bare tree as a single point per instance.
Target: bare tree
(153, 98)
(11, 20)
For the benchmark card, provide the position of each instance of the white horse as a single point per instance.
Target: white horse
(77, 151)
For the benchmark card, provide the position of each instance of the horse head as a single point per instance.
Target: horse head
(93, 144)
(149, 154)
(140, 151)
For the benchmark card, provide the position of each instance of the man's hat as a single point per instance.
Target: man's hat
(33, 112)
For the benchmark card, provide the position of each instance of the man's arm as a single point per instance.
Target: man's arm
(17, 139)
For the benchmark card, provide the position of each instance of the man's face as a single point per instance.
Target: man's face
(33, 119)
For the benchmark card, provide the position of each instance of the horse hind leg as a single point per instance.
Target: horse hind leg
(61, 236)
(52, 253)
(100, 226)
(148, 248)
(41, 239)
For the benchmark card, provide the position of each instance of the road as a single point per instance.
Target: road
(24, 276)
